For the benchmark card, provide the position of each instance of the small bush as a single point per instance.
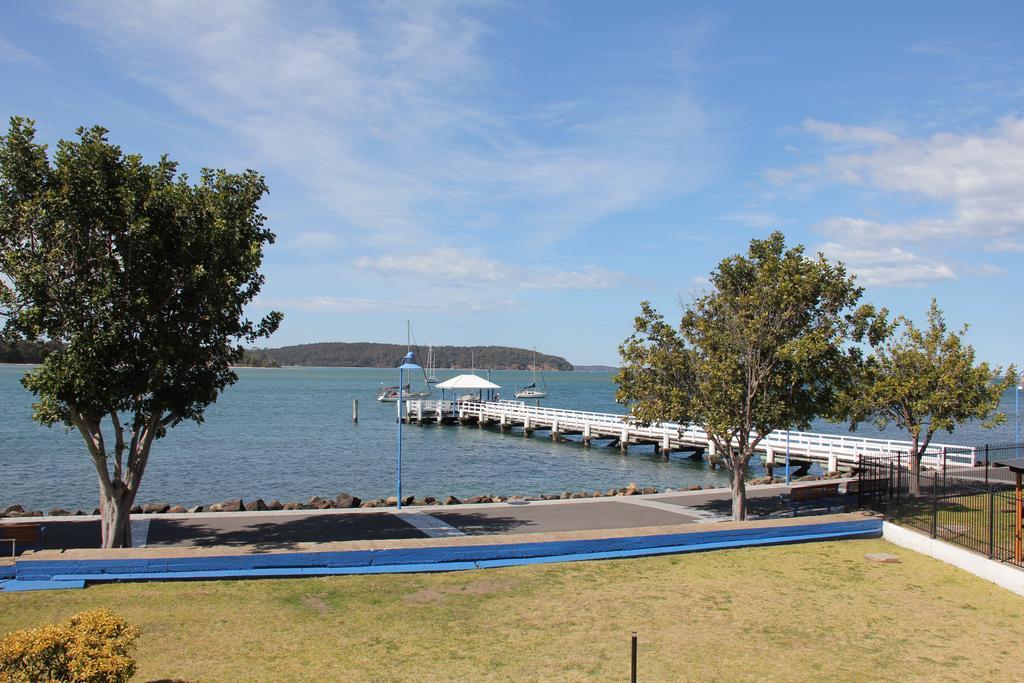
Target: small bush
(91, 647)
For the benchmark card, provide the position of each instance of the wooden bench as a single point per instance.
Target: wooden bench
(799, 496)
(877, 485)
(23, 535)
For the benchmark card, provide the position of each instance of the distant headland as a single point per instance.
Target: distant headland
(374, 355)
(356, 355)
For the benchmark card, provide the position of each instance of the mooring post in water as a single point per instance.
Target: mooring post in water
(632, 667)
(355, 410)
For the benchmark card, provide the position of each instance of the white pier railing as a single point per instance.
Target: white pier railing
(831, 448)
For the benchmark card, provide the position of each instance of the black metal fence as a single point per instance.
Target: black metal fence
(978, 508)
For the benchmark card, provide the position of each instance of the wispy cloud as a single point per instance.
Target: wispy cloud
(756, 219)
(449, 265)
(316, 241)
(9, 52)
(394, 116)
(836, 132)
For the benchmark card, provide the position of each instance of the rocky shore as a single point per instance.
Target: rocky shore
(346, 500)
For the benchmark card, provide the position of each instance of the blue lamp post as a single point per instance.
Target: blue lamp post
(1017, 413)
(407, 364)
(787, 456)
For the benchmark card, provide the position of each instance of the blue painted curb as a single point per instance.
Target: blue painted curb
(434, 558)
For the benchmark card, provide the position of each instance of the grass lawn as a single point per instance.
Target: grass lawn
(800, 612)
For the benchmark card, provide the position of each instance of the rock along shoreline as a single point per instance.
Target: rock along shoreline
(346, 500)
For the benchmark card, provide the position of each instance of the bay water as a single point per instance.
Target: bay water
(288, 434)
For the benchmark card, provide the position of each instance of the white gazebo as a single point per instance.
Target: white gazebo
(468, 383)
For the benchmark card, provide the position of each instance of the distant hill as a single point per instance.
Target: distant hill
(352, 355)
(594, 368)
(24, 352)
(373, 355)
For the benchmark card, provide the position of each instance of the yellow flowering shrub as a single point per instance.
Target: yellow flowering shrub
(91, 647)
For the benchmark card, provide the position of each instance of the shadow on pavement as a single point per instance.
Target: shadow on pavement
(277, 533)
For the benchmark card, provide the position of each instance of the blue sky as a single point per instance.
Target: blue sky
(526, 173)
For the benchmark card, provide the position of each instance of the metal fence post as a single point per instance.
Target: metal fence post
(991, 520)
(986, 464)
(935, 506)
(632, 659)
(889, 488)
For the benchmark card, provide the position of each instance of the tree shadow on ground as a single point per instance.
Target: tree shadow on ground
(265, 534)
(778, 506)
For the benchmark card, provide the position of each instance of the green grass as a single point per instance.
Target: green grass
(800, 612)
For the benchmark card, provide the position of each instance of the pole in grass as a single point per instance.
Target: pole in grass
(787, 456)
(632, 667)
(1016, 412)
(407, 364)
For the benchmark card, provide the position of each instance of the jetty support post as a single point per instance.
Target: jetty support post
(712, 455)
(624, 440)
(504, 422)
(355, 410)
(769, 461)
(586, 435)
(527, 429)
(666, 446)
(555, 434)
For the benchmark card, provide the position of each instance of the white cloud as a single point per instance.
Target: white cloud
(964, 188)
(446, 264)
(978, 175)
(392, 114)
(887, 266)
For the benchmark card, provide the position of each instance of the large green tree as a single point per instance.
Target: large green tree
(767, 347)
(925, 381)
(140, 279)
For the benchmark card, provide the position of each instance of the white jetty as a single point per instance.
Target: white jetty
(623, 430)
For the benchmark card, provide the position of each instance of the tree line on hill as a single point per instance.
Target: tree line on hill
(374, 355)
(21, 351)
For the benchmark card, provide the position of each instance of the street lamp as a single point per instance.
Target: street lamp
(787, 456)
(1016, 412)
(407, 364)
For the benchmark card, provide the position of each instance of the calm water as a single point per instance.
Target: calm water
(288, 434)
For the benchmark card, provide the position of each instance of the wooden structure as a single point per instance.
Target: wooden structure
(834, 450)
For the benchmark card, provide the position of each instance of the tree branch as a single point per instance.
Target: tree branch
(118, 445)
(94, 441)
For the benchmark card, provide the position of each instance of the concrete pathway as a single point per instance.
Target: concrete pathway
(288, 530)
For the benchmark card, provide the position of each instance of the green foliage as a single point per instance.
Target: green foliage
(925, 381)
(90, 647)
(768, 347)
(257, 359)
(137, 276)
(21, 351)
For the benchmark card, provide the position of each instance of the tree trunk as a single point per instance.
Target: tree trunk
(739, 492)
(115, 518)
(914, 485)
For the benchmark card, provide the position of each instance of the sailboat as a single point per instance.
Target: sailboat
(431, 366)
(531, 390)
(392, 394)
